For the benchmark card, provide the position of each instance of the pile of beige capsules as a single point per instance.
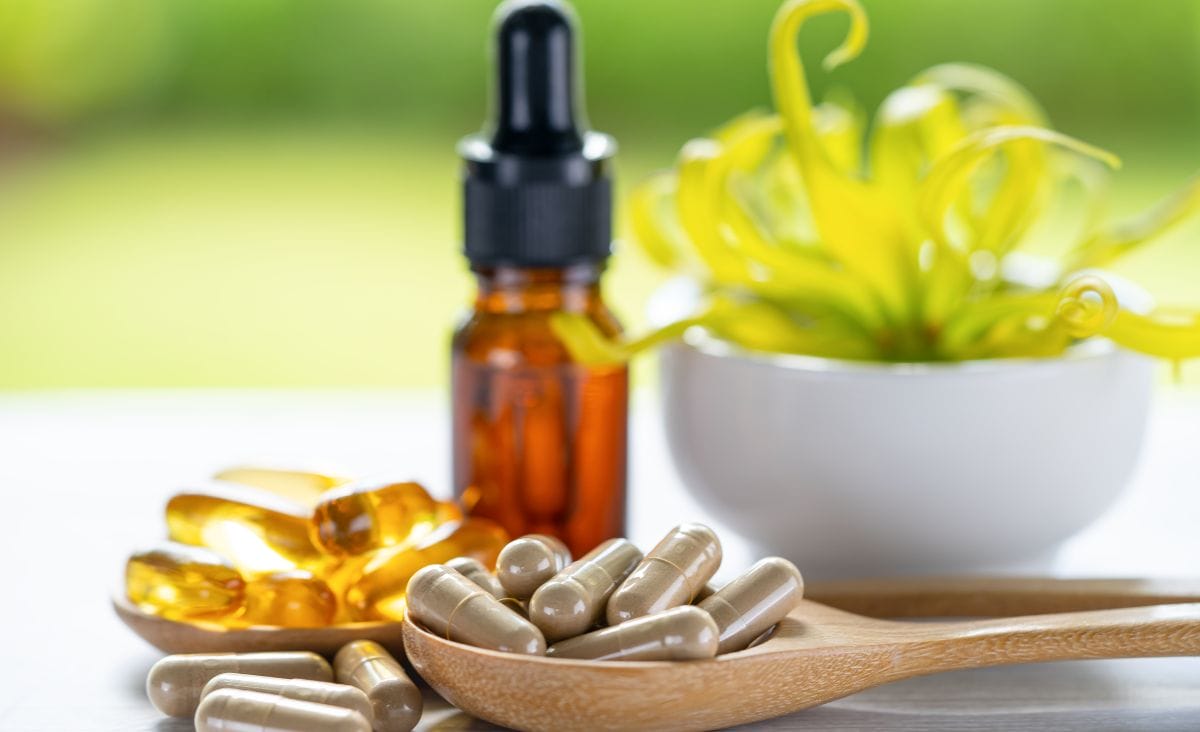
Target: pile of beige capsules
(288, 691)
(612, 604)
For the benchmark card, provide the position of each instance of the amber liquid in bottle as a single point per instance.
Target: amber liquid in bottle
(539, 440)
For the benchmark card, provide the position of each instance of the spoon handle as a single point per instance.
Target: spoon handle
(932, 597)
(1161, 630)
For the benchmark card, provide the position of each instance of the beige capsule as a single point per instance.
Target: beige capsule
(395, 700)
(572, 601)
(746, 607)
(454, 607)
(526, 563)
(237, 710)
(683, 633)
(318, 692)
(672, 573)
(516, 606)
(175, 683)
(474, 570)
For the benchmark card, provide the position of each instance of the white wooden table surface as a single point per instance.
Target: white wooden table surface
(83, 477)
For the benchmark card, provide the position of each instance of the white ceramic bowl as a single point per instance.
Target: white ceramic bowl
(871, 469)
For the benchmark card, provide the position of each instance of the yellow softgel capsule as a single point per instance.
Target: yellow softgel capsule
(378, 592)
(367, 515)
(301, 486)
(292, 599)
(182, 582)
(255, 530)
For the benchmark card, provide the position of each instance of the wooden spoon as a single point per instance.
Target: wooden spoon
(174, 636)
(817, 654)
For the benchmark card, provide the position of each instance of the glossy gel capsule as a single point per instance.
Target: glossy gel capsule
(395, 700)
(234, 710)
(684, 633)
(672, 574)
(175, 683)
(300, 486)
(526, 563)
(572, 601)
(748, 606)
(318, 692)
(454, 607)
(366, 515)
(183, 582)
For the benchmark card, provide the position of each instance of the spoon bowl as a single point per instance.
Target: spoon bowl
(816, 654)
(173, 636)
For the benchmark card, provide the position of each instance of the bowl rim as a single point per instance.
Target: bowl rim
(1090, 350)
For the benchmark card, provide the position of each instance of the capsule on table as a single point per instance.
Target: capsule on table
(234, 710)
(395, 700)
(672, 573)
(746, 607)
(174, 683)
(255, 530)
(474, 570)
(454, 607)
(377, 593)
(683, 633)
(183, 582)
(300, 486)
(365, 515)
(318, 692)
(526, 563)
(293, 599)
(572, 601)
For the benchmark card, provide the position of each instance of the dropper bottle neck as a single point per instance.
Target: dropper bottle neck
(506, 289)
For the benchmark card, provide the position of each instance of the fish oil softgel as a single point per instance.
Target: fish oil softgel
(572, 601)
(175, 683)
(363, 516)
(378, 592)
(672, 574)
(396, 702)
(255, 530)
(318, 692)
(454, 607)
(292, 599)
(750, 605)
(526, 563)
(300, 486)
(235, 710)
(183, 582)
(684, 633)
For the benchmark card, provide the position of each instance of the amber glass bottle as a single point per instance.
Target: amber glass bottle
(539, 440)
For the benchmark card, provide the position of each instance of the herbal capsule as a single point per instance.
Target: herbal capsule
(572, 601)
(670, 575)
(683, 633)
(362, 516)
(296, 485)
(454, 607)
(318, 692)
(395, 700)
(175, 682)
(516, 606)
(378, 592)
(474, 570)
(708, 590)
(746, 607)
(295, 599)
(234, 710)
(255, 530)
(181, 582)
(526, 563)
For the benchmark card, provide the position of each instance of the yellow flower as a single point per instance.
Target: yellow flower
(805, 247)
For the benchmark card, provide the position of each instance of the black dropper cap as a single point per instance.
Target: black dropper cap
(536, 186)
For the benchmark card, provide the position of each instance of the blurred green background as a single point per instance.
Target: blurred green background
(264, 192)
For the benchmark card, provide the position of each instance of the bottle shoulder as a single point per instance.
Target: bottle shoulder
(522, 337)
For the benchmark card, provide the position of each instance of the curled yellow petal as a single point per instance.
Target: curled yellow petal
(1086, 306)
